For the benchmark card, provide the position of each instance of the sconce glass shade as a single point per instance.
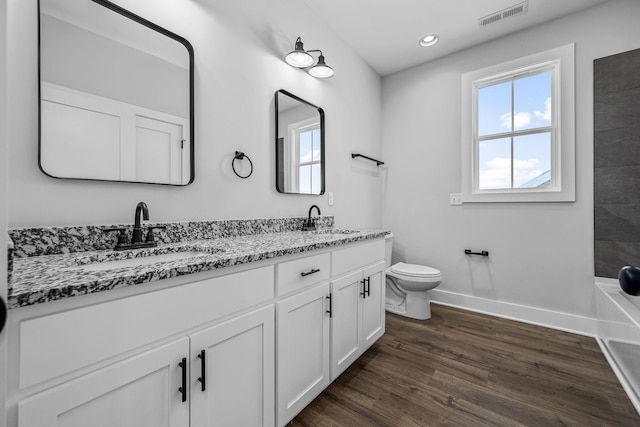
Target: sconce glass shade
(321, 70)
(298, 57)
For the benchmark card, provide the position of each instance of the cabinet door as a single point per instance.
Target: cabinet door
(373, 305)
(303, 350)
(347, 294)
(236, 360)
(141, 391)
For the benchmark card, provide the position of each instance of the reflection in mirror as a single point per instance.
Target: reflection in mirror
(299, 145)
(116, 96)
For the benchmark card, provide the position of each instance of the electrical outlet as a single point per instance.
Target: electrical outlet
(455, 199)
(330, 197)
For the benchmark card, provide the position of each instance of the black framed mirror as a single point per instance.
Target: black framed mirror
(300, 159)
(116, 96)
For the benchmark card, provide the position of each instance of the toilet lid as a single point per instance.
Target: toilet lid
(415, 270)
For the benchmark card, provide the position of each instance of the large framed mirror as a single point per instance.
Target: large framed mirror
(116, 96)
(300, 159)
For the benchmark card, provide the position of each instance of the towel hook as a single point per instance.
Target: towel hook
(241, 156)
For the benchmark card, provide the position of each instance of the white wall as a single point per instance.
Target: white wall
(79, 59)
(541, 255)
(3, 205)
(239, 49)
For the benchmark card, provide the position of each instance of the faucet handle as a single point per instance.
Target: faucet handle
(150, 235)
(122, 235)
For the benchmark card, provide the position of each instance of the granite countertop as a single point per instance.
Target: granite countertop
(40, 279)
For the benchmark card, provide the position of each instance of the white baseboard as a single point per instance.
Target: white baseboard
(537, 316)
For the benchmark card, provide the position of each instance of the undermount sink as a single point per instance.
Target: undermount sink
(102, 265)
(334, 231)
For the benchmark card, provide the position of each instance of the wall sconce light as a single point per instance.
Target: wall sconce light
(301, 58)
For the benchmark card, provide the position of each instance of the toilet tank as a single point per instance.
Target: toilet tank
(388, 246)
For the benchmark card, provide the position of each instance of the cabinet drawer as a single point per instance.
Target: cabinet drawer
(349, 259)
(300, 273)
(60, 343)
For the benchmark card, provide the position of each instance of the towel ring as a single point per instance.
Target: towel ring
(241, 156)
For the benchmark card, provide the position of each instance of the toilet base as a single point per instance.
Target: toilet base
(415, 306)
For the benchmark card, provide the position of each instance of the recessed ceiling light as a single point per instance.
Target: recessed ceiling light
(429, 40)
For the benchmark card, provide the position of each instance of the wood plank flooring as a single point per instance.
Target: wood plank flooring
(467, 369)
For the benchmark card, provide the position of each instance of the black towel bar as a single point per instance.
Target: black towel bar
(378, 162)
(483, 253)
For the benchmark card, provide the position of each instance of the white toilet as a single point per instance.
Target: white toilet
(408, 285)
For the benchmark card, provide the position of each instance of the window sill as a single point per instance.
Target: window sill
(510, 196)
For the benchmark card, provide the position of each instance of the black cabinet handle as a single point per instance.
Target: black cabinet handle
(183, 389)
(203, 372)
(368, 280)
(330, 306)
(3, 314)
(312, 271)
(364, 288)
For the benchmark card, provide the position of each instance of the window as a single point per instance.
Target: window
(515, 130)
(303, 158)
(308, 159)
(518, 136)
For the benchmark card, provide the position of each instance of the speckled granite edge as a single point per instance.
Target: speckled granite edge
(10, 249)
(41, 279)
(61, 240)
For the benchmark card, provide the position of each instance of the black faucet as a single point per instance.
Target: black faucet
(137, 230)
(310, 224)
(136, 240)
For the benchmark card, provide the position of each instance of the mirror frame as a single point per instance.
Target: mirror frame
(140, 20)
(279, 163)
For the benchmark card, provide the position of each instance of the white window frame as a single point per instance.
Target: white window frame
(294, 130)
(562, 186)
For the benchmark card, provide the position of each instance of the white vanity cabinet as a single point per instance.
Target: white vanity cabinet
(358, 315)
(303, 350)
(134, 361)
(302, 333)
(139, 391)
(250, 345)
(322, 328)
(232, 372)
(373, 306)
(235, 358)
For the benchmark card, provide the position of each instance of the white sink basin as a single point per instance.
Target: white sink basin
(141, 261)
(333, 232)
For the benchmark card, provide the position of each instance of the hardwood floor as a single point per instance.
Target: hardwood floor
(467, 369)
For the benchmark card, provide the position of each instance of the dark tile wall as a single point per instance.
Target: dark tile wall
(617, 162)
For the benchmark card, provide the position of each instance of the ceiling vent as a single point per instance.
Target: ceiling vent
(507, 13)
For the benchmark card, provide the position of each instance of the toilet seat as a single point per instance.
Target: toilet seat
(414, 271)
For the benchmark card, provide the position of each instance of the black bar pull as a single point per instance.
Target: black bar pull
(203, 372)
(368, 280)
(378, 162)
(3, 314)
(330, 306)
(183, 389)
(312, 271)
(483, 253)
(364, 288)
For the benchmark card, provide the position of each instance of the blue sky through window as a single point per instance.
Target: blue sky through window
(513, 160)
(309, 169)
